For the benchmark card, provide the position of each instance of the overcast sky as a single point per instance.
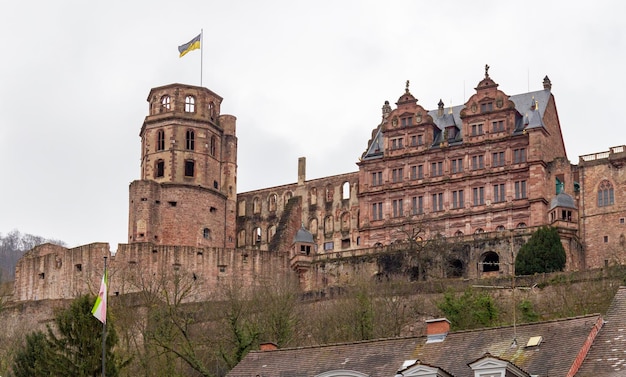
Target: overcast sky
(303, 78)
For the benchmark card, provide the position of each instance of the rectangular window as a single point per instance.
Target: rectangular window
(377, 178)
(414, 172)
(329, 245)
(497, 159)
(478, 196)
(377, 211)
(497, 126)
(451, 133)
(477, 129)
(456, 165)
(485, 107)
(457, 199)
(520, 189)
(189, 168)
(478, 162)
(413, 140)
(420, 171)
(397, 143)
(498, 193)
(396, 175)
(417, 205)
(436, 169)
(396, 206)
(406, 121)
(420, 139)
(519, 155)
(438, 202)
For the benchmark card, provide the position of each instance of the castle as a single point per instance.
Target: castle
(482, 176)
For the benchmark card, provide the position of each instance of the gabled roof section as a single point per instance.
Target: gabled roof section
(376, 146)
(562, 345)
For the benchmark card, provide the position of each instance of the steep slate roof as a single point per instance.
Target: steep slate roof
(607, 356)
(562, 342)
(523, 104)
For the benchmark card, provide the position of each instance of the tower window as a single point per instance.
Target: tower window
(189, 168)
(160, 140)
(212, 146)
(206, 233)
(160, 169)
(165, 102)
(190, 104)
(190, 140)
(211, 109)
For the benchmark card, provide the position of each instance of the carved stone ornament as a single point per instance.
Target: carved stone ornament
(474, 108)
(394, 122)
(418, 118)
(499, 102)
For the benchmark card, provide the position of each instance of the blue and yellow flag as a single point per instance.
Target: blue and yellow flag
(193, 44)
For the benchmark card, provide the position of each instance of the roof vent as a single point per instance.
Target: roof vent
(534, 341)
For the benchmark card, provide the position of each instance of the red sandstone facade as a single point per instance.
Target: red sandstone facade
(483, 174)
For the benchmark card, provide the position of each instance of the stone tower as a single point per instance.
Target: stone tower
(187, 192)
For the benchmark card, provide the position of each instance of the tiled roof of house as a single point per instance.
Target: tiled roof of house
(607, 356)
(561, 343)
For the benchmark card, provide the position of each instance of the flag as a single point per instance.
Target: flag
(193, 44)
(100, 307)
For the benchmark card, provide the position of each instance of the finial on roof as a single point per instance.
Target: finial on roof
(547, 84)
(440, 108)
(407, 86)
(487, 71)
(386, 110)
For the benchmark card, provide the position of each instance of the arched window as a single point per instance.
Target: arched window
(605, 194)
(479, 230)
(241, 238)
(165, 102)
(159, 169)
(211, 109)
(256, 206)
(490, 261)
(521, 225)
(190, 140)
(212, 146)
(272, 202)
(458, 233)
(313, 227)
(206, 233)
(271, 231)
(313, 196)
(328, 224)
(329, 193)
(345, 190)
(160, 140)
(241, 208)
(500, 228)
(345, 221)
(456, 269)
(288, 196)
(256, 236)
(190, 104)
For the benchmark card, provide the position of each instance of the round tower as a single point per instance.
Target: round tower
(187, 191)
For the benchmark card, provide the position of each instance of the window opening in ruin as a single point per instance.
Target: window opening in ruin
(157, 202)
(479, 231)
(345, 221)
(222, 268)
(190, 104)
(172, 204)
(458, 233)
(160, 140)
(328, 224)
(190, 140)
(160, 169)
(144, 199)
(256, 206)
(79, 267)
(189, 168)
(241, 208)
(206, 233)
(165, 102)
(212, 146)
(271, 231)
(256, 236)
(345, 243)
(212, 110)
(272, 202)
(500, 228)
(329, 193)
(605, 194)
(241, 238)
(490, 261)
(606, 239)
(42, 275)
(358, 240)
(345, 190)
(455, 268)
(212, 209)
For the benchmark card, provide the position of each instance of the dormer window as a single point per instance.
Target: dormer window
(451, 133)
(190, 104)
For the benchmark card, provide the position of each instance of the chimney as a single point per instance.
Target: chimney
(301, 170)
(437, 329)
(268, 346)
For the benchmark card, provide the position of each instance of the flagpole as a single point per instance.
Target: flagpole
(201, 53)
(104, 329)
